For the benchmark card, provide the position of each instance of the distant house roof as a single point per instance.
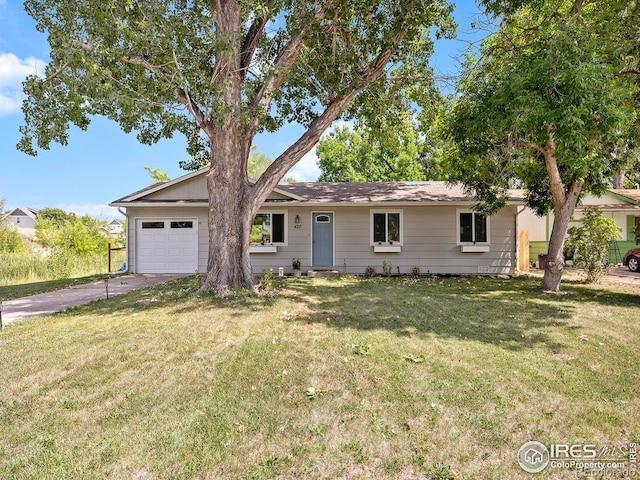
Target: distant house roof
(24, 212)
(632, 196)
(320, 193)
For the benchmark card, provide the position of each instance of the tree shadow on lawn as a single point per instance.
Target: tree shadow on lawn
(175, 297)
(513, 314)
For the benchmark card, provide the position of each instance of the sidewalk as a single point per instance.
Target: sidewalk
(48, 303)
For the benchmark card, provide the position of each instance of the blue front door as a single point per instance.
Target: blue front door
(322, 248)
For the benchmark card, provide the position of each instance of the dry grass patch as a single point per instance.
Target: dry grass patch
(411, 379)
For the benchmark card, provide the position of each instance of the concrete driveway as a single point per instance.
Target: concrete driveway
(48, 303)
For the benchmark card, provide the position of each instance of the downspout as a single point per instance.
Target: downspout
(126, 237)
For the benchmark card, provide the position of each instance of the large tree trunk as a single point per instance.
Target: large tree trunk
(555, 254)
(230, 219)
(564, 204)
(231, 209)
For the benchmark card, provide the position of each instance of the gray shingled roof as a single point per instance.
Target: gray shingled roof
(380, 192)
(339, 192)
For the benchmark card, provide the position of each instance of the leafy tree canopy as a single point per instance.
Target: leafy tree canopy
(548, 103)
(56, 216)
(152, 66)
(546, 74)
(83, 235)
(363, 154)
(157, 175)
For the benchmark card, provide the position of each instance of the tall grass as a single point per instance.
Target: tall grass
(33, 266)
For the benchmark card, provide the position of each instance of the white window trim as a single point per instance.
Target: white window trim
(272, 247)
(391, 247)
(481, 246)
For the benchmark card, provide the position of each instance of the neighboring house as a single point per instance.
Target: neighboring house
(114, 228)
(342, 226)
(621, 205)
(24, 219)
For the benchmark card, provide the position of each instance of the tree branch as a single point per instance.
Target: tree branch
(273, 81)
(59, 72)
(146, 63)
(251, 44)
(551, 164)
(281, 165)
(184, 98)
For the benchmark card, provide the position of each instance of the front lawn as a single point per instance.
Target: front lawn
(348, 378)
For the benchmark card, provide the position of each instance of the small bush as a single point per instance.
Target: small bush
(386, 267)
(10, 241)
(590, 243)
(266, 280)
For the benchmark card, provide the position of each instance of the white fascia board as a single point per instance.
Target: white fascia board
(159, 204)
(162, 186)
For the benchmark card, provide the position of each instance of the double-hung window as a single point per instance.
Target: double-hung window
(473, 228)
(386, 227)
(269, 229)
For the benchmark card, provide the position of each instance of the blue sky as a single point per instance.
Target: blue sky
(103, 163)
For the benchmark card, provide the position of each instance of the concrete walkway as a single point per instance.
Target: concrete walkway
(48, 303)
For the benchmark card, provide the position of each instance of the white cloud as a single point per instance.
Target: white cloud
(13, 71)
(307, 169)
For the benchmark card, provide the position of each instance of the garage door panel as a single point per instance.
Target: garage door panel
(167, 246)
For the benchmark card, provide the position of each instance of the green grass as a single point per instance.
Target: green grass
(34, 267)
(412, 378)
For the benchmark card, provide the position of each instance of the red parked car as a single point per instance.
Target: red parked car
(631, 259)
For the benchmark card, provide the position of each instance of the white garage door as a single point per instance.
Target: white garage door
(167, 245)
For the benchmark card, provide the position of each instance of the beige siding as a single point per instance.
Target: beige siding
(196, 189)
(536, 225)
(193, 188)
(619, 217)
(429, 240)
(605, 199)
